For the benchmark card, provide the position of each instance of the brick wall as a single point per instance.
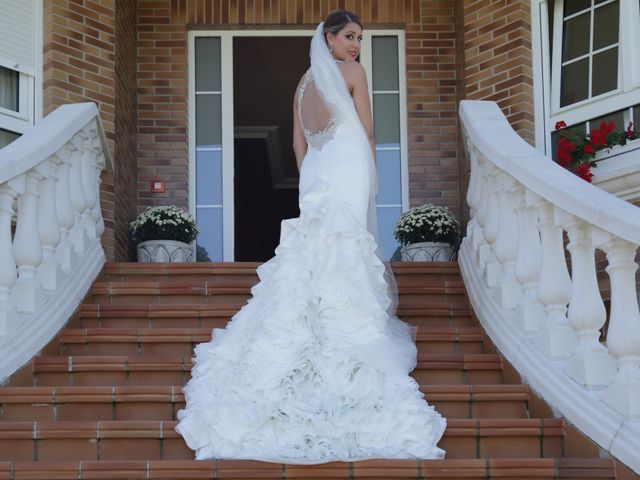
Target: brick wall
(80, 65)
(498, 58)
(431, 83)
(454, 49)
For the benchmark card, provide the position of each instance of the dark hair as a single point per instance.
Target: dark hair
(337, 20)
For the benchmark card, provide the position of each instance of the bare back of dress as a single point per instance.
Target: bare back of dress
(316, 120)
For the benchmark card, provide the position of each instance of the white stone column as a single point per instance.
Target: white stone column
(8, 269)
(479, 244)
(87, 173)
(590, 363)
(623, 335)
(49, 272)
(556, 338)
(508, 291)
(473, 195)
(27, 292)
(492, 270)
(530, 314)
(77, 233)
(65, 252)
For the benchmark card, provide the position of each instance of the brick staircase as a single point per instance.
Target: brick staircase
(101, 400)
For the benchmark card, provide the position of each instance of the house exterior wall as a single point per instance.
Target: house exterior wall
(82, 63)
(454, 49)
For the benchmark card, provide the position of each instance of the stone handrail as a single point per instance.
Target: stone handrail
(547, 321)
(50, 228)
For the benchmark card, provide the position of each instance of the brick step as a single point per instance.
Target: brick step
(162, 402)
(432, 369)
(181, 341)
(471, 469)
(157, 440)
(202, 315)
(406, 273)
(184, 291)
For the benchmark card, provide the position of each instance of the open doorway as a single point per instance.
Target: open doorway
(266, 71)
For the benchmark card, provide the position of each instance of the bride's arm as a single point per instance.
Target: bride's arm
(299, 142)
(360, 94)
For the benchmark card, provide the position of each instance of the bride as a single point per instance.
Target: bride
(315, 366)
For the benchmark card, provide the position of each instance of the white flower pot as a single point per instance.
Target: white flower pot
(167, 251)
(427, 252)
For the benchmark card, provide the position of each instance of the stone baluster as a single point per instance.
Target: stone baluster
(590, 363)
(556, 337)
(530, 314)
(87, 169)
(27, 292)
(479, 245)
(65, 252)
(623, 334)
(473, 195)
(8, 271)
(48, 227)
(492, 267)
(77, 233)
(508, 292)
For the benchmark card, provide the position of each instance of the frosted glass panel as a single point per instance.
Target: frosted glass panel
(389, 182)
(605, 72)
(209, 178)
(208, 120)
(209, 241)
(387, 218)
(385, 62)
(386, 118)
(208, 64)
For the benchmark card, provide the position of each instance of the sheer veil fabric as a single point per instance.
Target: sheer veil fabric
(315, 366)
(332, 87)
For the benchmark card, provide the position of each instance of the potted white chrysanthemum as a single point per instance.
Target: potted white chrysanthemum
(427, 233)
(163, 234)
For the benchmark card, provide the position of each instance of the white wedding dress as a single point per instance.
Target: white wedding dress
(314, 368)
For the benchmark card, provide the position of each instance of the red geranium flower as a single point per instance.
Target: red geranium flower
(607, 127)
(584, 171)
(564, 158)
(598, 137)
(588, 148)
(560, 124)
(565, 144)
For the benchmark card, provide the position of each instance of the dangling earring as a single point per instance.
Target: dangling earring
(331, 48)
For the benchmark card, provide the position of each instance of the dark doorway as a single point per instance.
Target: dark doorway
(266, 71)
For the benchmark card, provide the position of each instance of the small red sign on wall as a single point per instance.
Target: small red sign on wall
(158, 186)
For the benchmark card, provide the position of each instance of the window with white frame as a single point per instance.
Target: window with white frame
(594, 55)
(16, 104)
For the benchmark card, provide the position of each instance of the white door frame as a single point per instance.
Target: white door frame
(226, 45)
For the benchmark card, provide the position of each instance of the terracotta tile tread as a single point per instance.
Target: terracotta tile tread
(173, 393)
(208, 310)
(79, 363)
(541, 468)
(234, 267)
(197, 335)
(206, 288)
(521, 427)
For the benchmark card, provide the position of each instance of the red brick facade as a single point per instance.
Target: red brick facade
(90, 55)
(454, 49)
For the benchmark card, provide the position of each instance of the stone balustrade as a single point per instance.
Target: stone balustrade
(528, 216)
(50, 228)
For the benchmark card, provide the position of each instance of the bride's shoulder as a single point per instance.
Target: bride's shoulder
(354, 73)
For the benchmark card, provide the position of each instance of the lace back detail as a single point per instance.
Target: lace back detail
(319, 138)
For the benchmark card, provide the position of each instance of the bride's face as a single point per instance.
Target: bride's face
(346, 43)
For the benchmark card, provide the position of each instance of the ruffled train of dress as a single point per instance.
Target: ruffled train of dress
(312, 369)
